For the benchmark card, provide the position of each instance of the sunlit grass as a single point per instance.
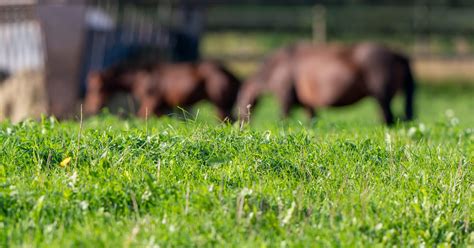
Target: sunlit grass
(341, 180)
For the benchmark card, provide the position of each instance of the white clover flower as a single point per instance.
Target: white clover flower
(246, 191)
(454, 121)
(13, 191)
(388, 140)
(289, 213)
(50, 228)
(422, 128)
(267, 136)
(449, 113)
(378, 226)
(211, 188)
(73, 180)
(411, 131)
(164, 220)
(146, 195)
(84, 205)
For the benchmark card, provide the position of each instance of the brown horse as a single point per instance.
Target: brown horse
(163, 86)
(314, 76)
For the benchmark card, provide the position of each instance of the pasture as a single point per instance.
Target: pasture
(343, 180)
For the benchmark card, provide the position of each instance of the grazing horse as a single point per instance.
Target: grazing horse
(161, 87)
(315, 76)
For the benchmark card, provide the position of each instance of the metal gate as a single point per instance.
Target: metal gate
(127, 30)
(21, 44)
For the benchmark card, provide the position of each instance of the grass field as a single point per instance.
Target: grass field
(343, 180)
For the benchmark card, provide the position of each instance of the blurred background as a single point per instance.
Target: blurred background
(47, 47)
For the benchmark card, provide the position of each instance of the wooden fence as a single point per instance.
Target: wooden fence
(425, 30)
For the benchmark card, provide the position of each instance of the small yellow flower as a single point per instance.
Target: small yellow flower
(65, 162)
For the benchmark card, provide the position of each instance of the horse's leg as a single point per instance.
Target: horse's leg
(148, 105)
(381, 85)
(384, 103)
(161, 110)
(286, 109)
(310, 112)
(225, 114)
(287, 100)
(409, 86)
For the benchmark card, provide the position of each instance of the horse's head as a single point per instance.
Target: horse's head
(97, 93)
(248, 98)
(124, 77)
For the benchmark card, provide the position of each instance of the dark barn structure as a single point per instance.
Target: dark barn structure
(139, 30)
(71, 38)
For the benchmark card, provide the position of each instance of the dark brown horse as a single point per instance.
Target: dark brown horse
(315, 76)
(163, 86)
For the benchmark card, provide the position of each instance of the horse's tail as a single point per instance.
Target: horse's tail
(409, 87)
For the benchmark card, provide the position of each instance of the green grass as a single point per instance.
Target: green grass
(343, 180)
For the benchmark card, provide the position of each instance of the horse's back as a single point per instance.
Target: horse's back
(325, 76)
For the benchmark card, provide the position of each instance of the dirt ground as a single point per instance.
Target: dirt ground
(437, 70)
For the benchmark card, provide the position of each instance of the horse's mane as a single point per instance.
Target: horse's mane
(270, 61)
(130, 66)
(285, 53)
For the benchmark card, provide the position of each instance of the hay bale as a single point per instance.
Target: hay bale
(4, 74)
(23, 95)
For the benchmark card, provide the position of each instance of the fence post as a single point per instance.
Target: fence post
(319, 24)
(62, 24)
